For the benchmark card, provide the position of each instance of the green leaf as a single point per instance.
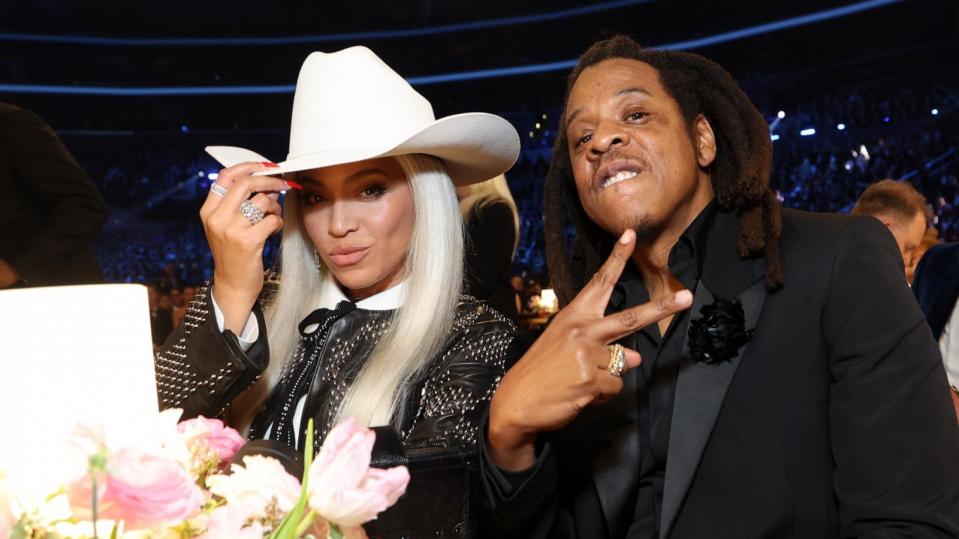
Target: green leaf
(289, 526)
(335, 532)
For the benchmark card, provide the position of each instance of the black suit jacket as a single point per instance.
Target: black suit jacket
(936, 284)
(833, 421)
(50, 210)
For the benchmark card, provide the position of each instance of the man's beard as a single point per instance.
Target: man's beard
(647, 230)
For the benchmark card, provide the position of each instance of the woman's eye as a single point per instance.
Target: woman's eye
(374, 191)
(312, 198)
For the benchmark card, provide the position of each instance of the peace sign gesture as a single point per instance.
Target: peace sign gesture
(570, 366)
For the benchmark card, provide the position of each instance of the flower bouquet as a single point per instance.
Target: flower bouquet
(183, 487)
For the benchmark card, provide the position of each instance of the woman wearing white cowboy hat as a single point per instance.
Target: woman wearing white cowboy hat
(366, 319)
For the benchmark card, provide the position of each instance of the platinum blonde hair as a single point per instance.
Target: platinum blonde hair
(485, 193)
(418, 330)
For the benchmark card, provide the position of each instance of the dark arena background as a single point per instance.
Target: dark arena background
(854, 92)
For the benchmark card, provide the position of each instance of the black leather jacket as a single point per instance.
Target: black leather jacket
(202, 370)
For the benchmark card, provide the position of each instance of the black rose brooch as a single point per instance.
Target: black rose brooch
(719, 332)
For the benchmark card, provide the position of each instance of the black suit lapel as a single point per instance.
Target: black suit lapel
(944, 300)
(700, 387)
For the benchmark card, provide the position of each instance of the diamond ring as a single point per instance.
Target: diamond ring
(253, 214)
(218, 190)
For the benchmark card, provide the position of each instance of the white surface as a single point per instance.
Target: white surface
(949, 346)
(71, 356)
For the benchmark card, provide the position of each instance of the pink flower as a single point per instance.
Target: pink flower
(228, 522)
(219, 437)
(343, 488)
(255, 484)
(140, 488)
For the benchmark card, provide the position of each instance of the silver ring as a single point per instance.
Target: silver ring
(253, 214)
(218, 190)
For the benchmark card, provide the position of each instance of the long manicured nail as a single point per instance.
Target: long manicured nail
(294, 185)
(269, 164)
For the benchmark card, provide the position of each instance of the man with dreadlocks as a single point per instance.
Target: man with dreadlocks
(721, 368)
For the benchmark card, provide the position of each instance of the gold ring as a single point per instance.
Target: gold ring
(617, 360)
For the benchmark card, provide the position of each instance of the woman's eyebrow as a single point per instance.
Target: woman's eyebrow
(351, 178)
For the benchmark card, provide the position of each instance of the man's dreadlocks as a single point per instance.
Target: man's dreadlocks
(740, 172)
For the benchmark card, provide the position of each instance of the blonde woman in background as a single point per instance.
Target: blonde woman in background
(365, 319)
(492, 235)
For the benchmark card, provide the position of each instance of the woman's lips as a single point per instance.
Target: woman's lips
(349, 256)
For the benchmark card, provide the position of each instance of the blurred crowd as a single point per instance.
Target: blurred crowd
(884, 130)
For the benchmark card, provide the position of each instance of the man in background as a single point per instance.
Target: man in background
(936, 286)
(902, 209)
(50, 210)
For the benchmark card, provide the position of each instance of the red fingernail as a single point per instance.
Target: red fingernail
(294, 184)
(270, 164)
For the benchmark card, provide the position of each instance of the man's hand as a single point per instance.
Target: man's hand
(8, 275)
(566, 368)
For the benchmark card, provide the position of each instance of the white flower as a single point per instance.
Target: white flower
(254, 484)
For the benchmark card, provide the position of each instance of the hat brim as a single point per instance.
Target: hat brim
(473, 146)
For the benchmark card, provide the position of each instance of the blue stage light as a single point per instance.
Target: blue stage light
(781, 114)
(885, 119)
(808, 132)
(774, 138)
(563, 65)
(935, 112)
(841, 127)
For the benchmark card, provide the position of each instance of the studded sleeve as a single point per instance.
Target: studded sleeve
(201, 369)
(456, 393)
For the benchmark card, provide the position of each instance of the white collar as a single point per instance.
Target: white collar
(387, 300)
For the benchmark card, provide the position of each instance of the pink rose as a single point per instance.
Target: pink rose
(343, 488)
(228, 522)
(142, 489)
(214, 433)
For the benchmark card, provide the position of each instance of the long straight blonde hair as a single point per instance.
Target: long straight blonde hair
(419, 328)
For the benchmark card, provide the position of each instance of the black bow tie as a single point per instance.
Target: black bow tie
(320, 315)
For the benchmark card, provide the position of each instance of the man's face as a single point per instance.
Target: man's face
(908, 234)
(635, 162)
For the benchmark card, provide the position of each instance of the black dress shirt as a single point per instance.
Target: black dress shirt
(661, 355)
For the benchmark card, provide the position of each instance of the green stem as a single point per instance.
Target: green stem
(305, 523)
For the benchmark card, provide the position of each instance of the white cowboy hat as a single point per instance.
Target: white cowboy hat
(350, 106)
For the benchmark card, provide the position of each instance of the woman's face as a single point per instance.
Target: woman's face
(360, 218)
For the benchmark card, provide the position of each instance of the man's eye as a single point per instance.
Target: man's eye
(636, 116)
(583, 140)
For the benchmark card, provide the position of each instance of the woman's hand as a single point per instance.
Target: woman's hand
(237, 243)
(566, 368)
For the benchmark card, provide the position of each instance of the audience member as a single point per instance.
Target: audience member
(902, 209)
(50, 211)
(492, 235)
(937, 288)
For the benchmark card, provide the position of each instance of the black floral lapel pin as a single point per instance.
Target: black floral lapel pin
(719, 332)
